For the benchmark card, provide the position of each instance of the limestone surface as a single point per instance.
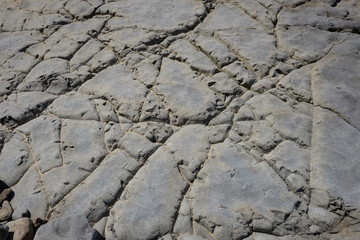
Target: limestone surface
(180, 119)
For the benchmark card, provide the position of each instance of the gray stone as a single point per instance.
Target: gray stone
(20, 212)
(298, 83)
(215, 49)
(42, 75)
(336, 81)
(82, 149)
(153, 109)
(74, 106)
(306, 43)
(148, 204)
(293, 126)
(263, 136)
(190, 100)
(102, 60)
(15, 159)
(334, 139)
(112, 136)
(255, 189)
(165, 16)
(185, 51)
(12, 114)
(85, 53)
(71, 227)
(106, 111)
(44, 136)
(79, 8)
(288, 157)
(223, 84)
(147, 72)
(117, 85)
(93, 197)
(141, 150)
(155, 132)
(12, 42)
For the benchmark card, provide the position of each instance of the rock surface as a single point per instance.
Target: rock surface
(187, 119)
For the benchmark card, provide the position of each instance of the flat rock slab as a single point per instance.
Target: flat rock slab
(186, 119)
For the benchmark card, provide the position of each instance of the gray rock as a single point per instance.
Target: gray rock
(74, 106)
(42, 75)
(223, 84)
(85, 53)
(71, 227)
(185, 51)
(190, 100)
(12, 42)
(215, 49)
(44, 137)
(99, 190)
(156, 15)
(147, 72)
(106, 111)
(30, 187)
(102, 60)
(306, 43)
(293, 126)
(82, 149)
(153, 109)
(334, 139)
(15, 159)
(117, 85)
(148, 204)
(20, 212)
(79, 8)
(336, 81)
(155, 132)
(255, 189)
(141, 150)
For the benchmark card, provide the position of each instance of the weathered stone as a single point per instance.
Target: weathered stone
(255, 188)
(44, 137)
(102, 60)
(74, 106)
(336, 81)
(21, 229)
(141, 150)
(148, 204)
(15, 159)
(117, 85)
(85, 53)
(42, 75)
(5, 211)
(5, 194)
(190, 100)
(196, 59)
(100, 189)
(166, 16)
(71, 227)
(82, 148)
(155, 132)
(334, 139)
(288, 157)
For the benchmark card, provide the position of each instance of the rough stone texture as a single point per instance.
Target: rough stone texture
(186, 119)
(71, 227)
